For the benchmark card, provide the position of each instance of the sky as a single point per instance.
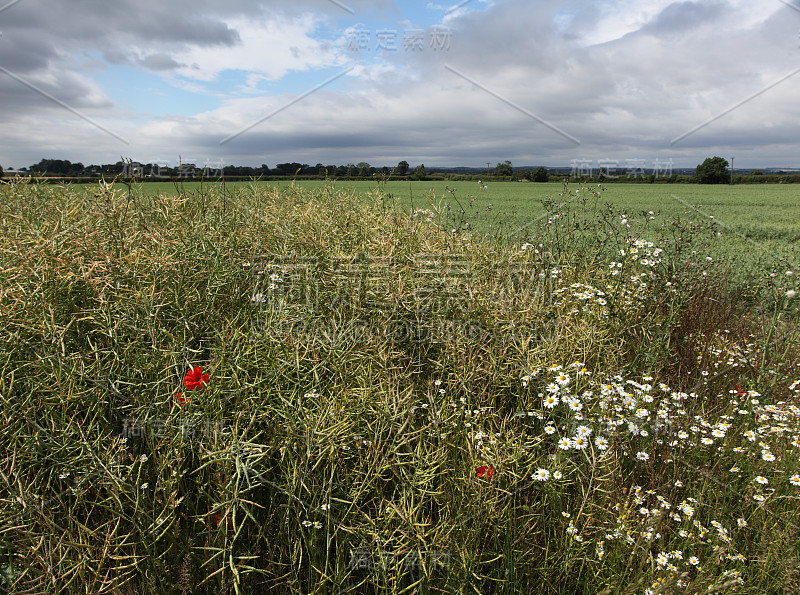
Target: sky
(443, 83)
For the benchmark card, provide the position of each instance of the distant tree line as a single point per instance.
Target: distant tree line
(713, 170)
(59, 168)
(153, 171)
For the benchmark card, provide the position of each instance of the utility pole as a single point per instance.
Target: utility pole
(488, 164)
(731, 170)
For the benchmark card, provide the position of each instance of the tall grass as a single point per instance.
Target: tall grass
(376, 414)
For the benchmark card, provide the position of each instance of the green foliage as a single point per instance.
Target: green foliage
(419, 173)
(540, 174)
(364, 169)
(402, 168)
(504, 169)
(56, 167)
(714, 170)
(375, 385)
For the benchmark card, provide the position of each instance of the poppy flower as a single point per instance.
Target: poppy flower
(739, 391)
(181, 400)
(195, 378)
(485, 471)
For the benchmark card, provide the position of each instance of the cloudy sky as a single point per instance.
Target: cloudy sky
(440, 83)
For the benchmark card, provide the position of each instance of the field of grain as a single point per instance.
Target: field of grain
(322, 389)
(757, 225)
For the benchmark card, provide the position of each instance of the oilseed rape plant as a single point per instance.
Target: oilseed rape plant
(294, 390)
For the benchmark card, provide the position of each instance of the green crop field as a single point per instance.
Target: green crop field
(758, 225)
(284, 389)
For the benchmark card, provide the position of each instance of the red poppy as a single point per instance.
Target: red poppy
(738, 390)
(182, 400)
(485, 471)
(195, 378)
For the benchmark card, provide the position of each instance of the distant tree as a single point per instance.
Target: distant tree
(540, 174)
(290, 169)
(402, 168)
(364, 169)
(522, 175)
(713, 170)
(53, 167)
(504, 169)
(756, 172)
(419, 173)
(1, 171)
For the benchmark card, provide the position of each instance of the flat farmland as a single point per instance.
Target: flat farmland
(252, 389)
(757, 226)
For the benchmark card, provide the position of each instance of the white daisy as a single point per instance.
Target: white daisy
(541, 475)
(579, 443)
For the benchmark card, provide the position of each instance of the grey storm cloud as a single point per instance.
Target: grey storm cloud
(34, 35)
(683, 17)
(622, 77)
(158, 61)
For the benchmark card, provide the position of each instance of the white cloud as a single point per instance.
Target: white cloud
(624, 77)
(268, 47)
